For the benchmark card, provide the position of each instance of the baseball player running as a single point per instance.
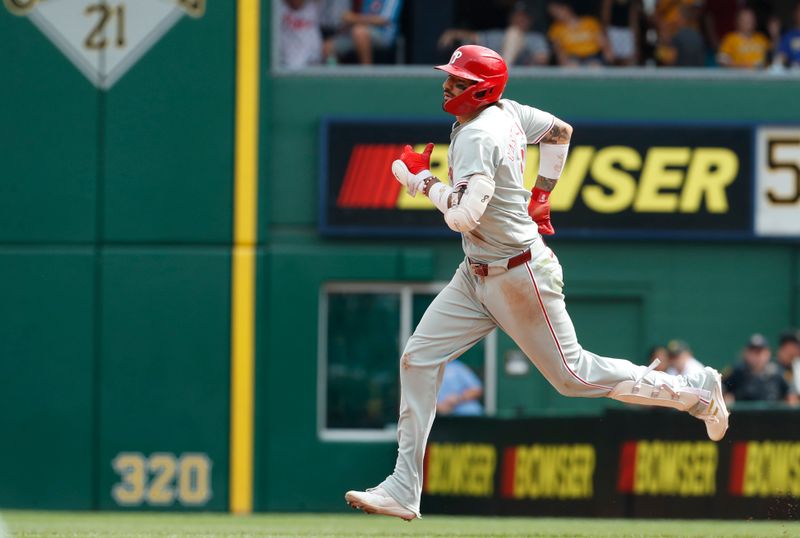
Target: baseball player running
(509, 278)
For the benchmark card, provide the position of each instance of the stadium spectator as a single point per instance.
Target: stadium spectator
(517, 44)
(744, 48)
(756, 378)
(300, 35)
(332, 24)
(658, 352)
(520, 44)
(621, 23)
(373, 27)
(682, 45)
(460, 392)
(577, 40)
(680, 360)
(788, 50)
(788, 355)
(667, 14)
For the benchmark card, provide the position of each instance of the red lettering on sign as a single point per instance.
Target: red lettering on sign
(627, 467)
(368, 181)
(738, 461)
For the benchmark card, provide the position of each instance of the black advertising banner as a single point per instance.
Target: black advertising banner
(621, 179)
(637, 462)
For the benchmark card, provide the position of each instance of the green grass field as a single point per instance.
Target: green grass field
(80, 525)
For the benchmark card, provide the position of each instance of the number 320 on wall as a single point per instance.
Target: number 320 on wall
(161, 479)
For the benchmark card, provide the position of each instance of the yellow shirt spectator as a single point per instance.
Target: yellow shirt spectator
(741, 50)
(582, 39)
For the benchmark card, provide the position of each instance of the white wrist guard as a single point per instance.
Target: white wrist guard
(412, 182)
(439, 195)
(464, 216)
(551, 159)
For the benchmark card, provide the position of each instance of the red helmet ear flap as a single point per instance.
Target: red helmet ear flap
(480, 64)
(483, 90)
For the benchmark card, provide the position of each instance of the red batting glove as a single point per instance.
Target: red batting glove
(539, 210)
(417, 162)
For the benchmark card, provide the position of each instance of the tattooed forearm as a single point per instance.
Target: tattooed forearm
(545, 184)
(560, 133)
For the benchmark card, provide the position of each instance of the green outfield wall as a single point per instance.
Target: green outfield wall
(116, 212)
(115, 240)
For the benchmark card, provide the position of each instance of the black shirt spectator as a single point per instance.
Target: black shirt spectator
(788, 355)
(756, 378)
(682, 45)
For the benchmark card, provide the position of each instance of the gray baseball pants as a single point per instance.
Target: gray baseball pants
(528, 304)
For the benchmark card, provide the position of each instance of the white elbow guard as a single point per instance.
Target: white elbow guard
(464, 216)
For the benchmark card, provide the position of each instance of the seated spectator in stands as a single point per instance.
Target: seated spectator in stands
(684, 46)
(300, 36)
(375, 26)
(460, 392)
(660, 353)
(744, 48)
(756, 378)
(788, 50)
(331, 19)
(621, 24)
(667, 15)
(788, 355)
(577, 40)
(517, 44)
(680, 360)
(521, 45)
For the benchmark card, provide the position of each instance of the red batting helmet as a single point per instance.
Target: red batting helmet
(482, 65)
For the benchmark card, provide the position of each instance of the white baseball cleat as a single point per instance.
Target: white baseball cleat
(716, 413)
(377, 501)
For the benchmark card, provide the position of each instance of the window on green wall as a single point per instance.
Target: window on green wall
(363, 328)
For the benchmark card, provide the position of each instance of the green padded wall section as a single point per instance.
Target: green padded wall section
(168, 126)
(46, 378)
(165, 367)
(48, 143)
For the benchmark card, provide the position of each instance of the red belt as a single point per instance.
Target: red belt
(482, 269)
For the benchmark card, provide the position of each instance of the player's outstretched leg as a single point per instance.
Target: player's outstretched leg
(528, 303)
(704, 400)
(453, 323)
(400, 494)
(377, 501)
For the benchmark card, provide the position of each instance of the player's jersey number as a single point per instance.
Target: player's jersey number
(161, 479)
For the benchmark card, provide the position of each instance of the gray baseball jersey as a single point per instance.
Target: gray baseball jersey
(494, 144)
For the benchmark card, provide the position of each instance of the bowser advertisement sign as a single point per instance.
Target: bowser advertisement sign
(620, 179)
(627, 462)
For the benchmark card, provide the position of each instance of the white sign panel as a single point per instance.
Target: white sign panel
(777, 181)
(104, 38)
